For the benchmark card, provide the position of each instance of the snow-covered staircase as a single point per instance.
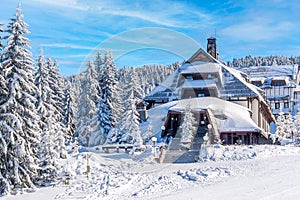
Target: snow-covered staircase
(175, 152)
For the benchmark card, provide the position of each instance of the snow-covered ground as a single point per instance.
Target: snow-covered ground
(229, 172)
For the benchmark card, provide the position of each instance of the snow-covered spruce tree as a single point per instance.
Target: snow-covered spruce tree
(48, 156)
(114, 136)
(54, 81)
(1, 45)
(131, 125)
(285, 127)
(132, 87)
(57, 86)
(98, 64)
(88, 128)
(109, 104)
(18, 117)
(69, 117)
(296, 128)
(188, 128)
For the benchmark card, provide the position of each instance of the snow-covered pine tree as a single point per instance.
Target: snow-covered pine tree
(296, 128)
(54, 81)
(56, 85)
(88, 128)
(98, 63)
(109, 104)
(48, 164)
(3, 88)
(114, 136)
(69, 117)
(18, 116)
(188, 128)
(1, 45)
(131, 125)
(289, 126)
(285, 127)
(132, 87)
(115, 97)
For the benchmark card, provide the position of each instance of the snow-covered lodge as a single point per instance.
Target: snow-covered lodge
(218, 95)
(280, 83)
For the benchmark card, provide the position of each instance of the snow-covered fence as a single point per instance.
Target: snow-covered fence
(126, 147)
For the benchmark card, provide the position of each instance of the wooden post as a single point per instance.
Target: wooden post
(87, 165)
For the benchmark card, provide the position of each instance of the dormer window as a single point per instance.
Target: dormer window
(189, 77)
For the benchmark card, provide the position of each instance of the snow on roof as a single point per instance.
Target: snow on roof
(201, 55)
(257, 79)
(200, 67)
(199, 84)
(271, 71)
(168, 85)
(248, 88)
(279, 78)
(234, 117)
(157, 116)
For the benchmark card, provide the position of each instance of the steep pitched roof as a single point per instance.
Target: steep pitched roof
(201, 55)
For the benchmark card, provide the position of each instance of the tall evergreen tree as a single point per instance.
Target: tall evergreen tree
(56, 86)
(1, 45)
(109, 105)
(131, 125)
(47, 155)
(132, 88)
(87, 123)
(18, 117)
(98, 63)
(69, 117)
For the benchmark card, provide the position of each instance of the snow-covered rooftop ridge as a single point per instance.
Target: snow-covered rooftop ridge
(199, 84)
(269, 71)
(234, 117)
(200, 67)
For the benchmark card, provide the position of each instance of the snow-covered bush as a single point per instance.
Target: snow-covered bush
(286, 128)
(188, 128)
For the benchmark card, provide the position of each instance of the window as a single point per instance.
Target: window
(210, 76)
(286, 105)
(277, 105)
(201, 95)
(278, 84)
(189, 77)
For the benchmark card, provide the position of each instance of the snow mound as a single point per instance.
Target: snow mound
(205, 175)
(236, 153)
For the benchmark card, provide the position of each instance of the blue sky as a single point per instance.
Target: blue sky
(156, 31)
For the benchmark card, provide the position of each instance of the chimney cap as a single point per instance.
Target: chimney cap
(211, 38)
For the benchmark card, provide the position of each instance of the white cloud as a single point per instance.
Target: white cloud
(165, 13)
(64, 3)
(71, 46)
